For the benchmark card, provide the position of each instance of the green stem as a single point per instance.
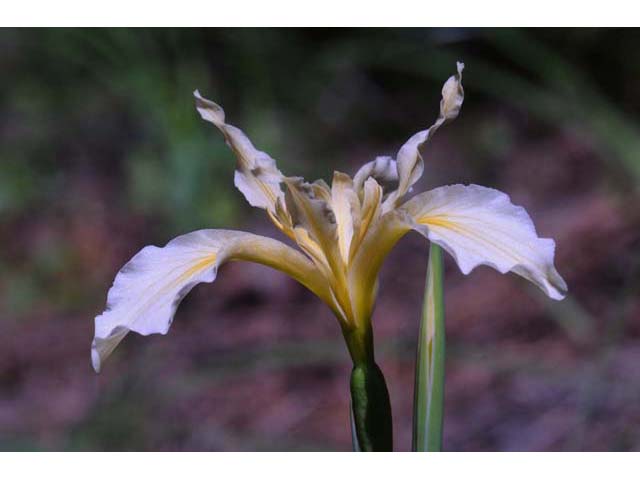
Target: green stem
(428, 408)
(354, 434)
(370, 407)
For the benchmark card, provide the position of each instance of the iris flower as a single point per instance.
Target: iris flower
(344, 231)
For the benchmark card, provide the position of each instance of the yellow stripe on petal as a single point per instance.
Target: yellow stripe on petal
(370, 212)
(480, 226)
(376, 244)
(148, 289)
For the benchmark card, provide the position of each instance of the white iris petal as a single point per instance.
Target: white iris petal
(479, 225)
(148, 289)
(345, 230)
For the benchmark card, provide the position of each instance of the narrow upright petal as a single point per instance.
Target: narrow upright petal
(312, 213)
(370, 212)
(379, 238)
(148, 289)
(409, 159)
(257, 176)
(346, 208)
(479, 225)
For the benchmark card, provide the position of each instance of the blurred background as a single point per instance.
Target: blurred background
(102, 153)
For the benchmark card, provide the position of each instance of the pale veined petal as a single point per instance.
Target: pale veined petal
(369, 212)
(410, 163)
(336, 297)
(346, 209)
(480, 226)
(312, 213)
(452, 95)
(314, 221)
(257, 176)
(322, 190)
(383, 169)
(380, 237)
(149, 288)
(309, 246)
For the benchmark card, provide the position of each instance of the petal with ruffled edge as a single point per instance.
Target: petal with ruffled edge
(257, 176)
(480, 226)
(409, 159)
(148, 289)
(383, 169)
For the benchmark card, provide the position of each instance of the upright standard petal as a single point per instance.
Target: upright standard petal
(379, 238)
(346, 208)
(257, 176)
(369, 212)
(410, 163)
(312, 213)
(148, 289)
(479, 225)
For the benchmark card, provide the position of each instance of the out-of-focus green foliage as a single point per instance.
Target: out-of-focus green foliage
(68, 89)
(102, 152)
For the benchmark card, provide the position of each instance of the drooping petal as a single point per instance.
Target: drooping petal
(149, 288)
(410, 163)
(257, 176)
(480, 226)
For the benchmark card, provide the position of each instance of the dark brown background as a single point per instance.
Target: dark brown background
(102, 152)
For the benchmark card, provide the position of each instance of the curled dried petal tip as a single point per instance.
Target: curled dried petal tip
(452, 95)
(208, 110)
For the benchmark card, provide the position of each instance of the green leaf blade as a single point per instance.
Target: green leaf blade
(428, 407)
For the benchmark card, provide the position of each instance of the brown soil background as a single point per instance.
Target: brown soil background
(102, 154)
